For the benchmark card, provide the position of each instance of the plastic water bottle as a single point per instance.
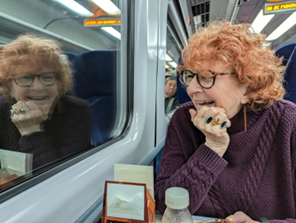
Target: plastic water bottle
(177, 201)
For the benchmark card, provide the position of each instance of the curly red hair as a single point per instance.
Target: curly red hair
(242, 51)
(37, 52)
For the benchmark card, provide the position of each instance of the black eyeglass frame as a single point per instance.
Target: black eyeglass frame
(37, 75)
(215, 74)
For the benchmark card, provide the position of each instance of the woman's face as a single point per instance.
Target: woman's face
(227, 92)
(36, 92)
(170, 88)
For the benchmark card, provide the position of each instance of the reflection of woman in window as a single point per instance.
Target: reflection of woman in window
(35, 114)
(171, 101)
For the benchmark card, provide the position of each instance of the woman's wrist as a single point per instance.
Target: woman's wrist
(28, 131)
(217, 149)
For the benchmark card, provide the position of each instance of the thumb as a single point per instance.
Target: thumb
(193, 113)
(238, 217)
(229, 219)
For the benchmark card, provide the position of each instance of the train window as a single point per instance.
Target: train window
(170, 88)
(87, 115)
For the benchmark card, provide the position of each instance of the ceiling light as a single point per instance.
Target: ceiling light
(173, 64)
(261, 21)
(107, 6)
(76, 7)
(112, 32)
(266, 44)
(168, 58)
(286, 25)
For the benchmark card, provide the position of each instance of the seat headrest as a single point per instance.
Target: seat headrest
(285, 51)
(70, 56)
(181, 89)
(95, 72)
(289, 53)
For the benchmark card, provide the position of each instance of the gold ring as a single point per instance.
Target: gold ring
(216, 121)
(16, 111)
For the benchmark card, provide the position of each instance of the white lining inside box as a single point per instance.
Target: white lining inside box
(126, 201)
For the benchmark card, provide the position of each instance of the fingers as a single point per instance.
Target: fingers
(209, 118)
(229, 219)
(19, 108)
(28, 116)
(239, 217)
(213, 122)
(32, 105)
(27, 108)
(209, 111)
(193, 113)
(220, 119)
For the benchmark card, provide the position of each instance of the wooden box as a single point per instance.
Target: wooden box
(127, 202)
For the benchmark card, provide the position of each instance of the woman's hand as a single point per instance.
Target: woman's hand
(28, 116)
(239, 217)
(212, 122)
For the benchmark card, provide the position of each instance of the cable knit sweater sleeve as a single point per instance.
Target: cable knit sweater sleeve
(186, 163)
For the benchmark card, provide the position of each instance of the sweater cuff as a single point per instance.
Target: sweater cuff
(210, 159)
(27, 141)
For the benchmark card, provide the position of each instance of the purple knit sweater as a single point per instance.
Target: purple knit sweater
(256, 175)
(68, 131)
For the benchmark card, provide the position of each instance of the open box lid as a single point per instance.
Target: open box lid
(135, 174)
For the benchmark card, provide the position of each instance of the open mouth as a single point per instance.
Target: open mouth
(205, 102)
(37, 98)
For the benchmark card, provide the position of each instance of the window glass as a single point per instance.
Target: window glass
(67, 121)
(171, 82)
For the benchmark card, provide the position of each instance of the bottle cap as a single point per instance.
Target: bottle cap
(176, 198)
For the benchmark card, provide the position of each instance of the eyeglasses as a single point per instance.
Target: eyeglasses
(206, 78)
(26, 80)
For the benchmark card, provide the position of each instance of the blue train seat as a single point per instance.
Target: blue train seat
(181, 91)
(95, 81)
(288, 51)
(70, 57)
(157, 164)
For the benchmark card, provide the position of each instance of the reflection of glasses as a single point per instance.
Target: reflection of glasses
(26, 80)
(205, 78)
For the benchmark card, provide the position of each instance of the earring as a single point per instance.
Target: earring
(245, 118)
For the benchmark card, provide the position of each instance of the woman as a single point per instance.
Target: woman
(232, 147)
(35, 114)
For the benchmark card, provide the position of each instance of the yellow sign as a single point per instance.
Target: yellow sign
(272, 8)
(100, 22)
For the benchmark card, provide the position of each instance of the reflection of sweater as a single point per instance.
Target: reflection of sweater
(68, 131)
(256, 175)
